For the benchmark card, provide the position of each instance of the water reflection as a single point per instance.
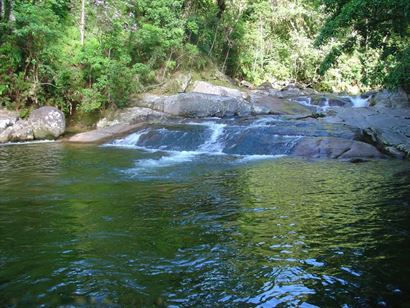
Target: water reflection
(77, 230)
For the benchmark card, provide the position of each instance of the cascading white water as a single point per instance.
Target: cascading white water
(173, 157)
(213, 144)
(359, 101)
(129, 141)
(174, 145)
(325, 106)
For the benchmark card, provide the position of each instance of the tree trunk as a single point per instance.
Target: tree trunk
(7, 10)
(214, 40)
(82, 22)
(222, 7)
(226, 59)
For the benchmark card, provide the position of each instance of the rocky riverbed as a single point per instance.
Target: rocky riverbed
(325, 125)
(374, 125)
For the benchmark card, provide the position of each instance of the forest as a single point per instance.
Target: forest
(86, 55)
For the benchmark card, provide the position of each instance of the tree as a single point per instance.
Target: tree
(82, 22)
(368, 26)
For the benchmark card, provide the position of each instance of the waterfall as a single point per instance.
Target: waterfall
(243, 141)
(213, 144)
(359, 101)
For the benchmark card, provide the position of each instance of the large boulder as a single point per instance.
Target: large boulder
(195, 105)
(7, 119)
(47, 123)
(198, 105)
(20, 131)
(208, 88)
(388, 128)
(335, 148)
(207, 105)
(395, 99)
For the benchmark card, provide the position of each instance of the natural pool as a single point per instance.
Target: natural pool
(95, 226)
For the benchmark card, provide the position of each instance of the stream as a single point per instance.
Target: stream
(195, 213)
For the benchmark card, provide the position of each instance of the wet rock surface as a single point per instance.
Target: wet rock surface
(291, 120)
(267, 135)
(335, 148)
(103, 134)
(265, 104)
(387, 128)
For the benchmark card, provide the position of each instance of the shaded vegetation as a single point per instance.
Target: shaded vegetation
(86, 55)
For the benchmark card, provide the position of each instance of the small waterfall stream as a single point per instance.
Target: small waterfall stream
(242, 139)
(180, 142)
(324, 103)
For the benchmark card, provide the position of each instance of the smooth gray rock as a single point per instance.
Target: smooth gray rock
(208, 105)
(148, 100)
(47, 123)
(393, 99)
(21, 131)
(335, 148)
(263, 104)
(7, 119)
(196, 105)
(208, 88)
(131, 116)
(103, 134)
(389, 128)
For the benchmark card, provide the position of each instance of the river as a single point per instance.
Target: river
(129, 225)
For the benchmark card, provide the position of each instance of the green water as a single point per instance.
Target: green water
(83, 226)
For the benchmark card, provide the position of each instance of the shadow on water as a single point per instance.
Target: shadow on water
(84, 226)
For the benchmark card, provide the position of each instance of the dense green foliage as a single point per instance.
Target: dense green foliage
(129, 44)
(377, 29)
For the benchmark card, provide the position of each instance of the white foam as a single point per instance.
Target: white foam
(264, 122)
(359, 101)
(172, 158)
(302, 102)
(28, 142)
(213, 144)
(248, 158)
(130, 139)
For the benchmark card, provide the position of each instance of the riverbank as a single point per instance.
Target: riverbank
(373, 125)
(380, 120)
